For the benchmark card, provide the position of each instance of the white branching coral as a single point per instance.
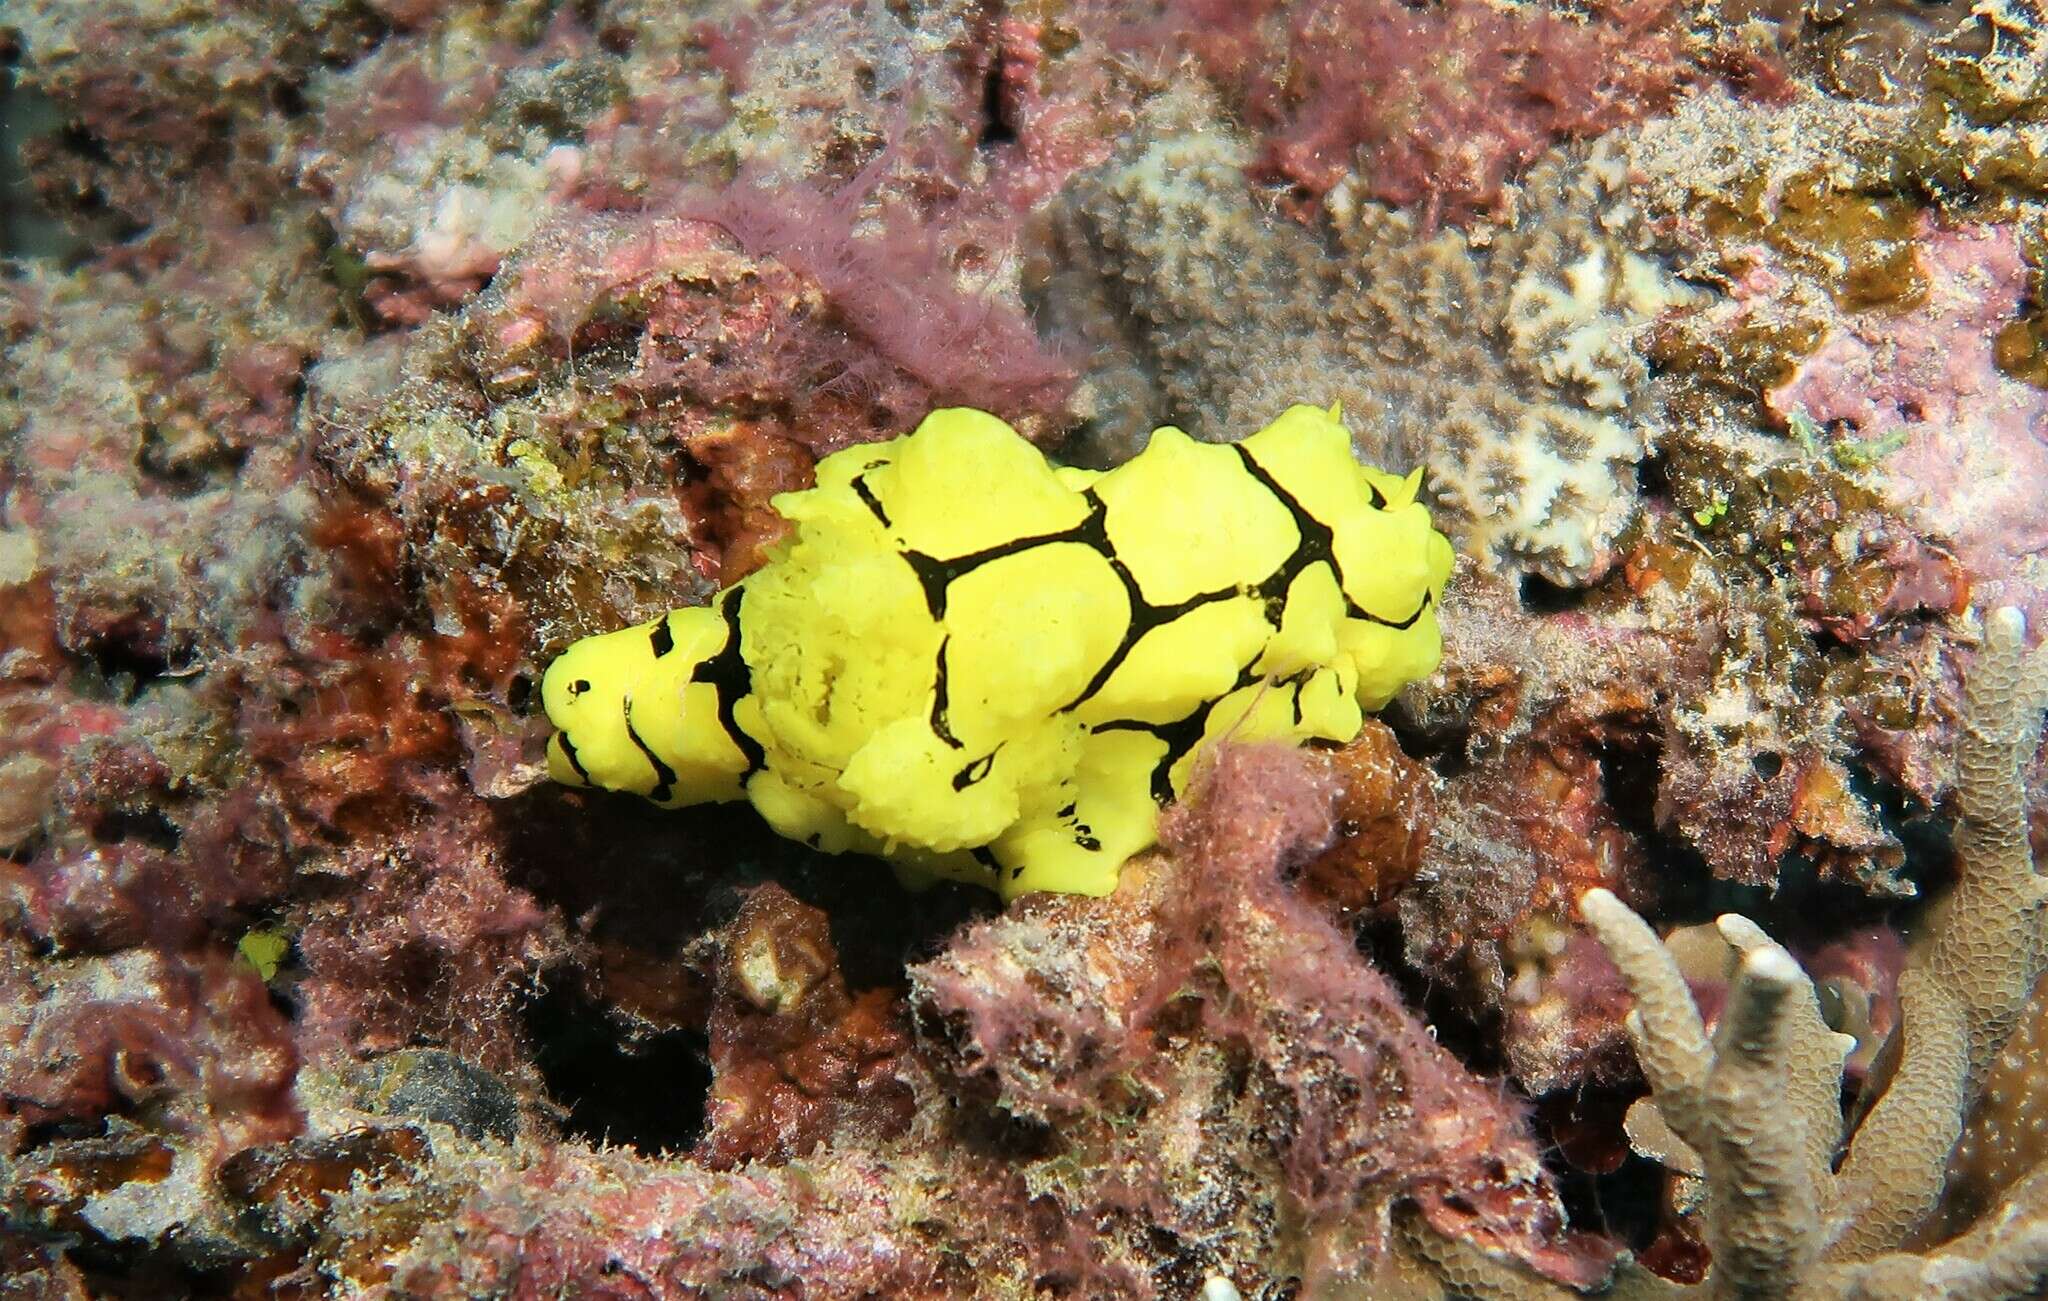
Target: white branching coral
(1755, 1111)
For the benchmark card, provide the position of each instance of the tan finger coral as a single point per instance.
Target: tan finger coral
(1752, 1110)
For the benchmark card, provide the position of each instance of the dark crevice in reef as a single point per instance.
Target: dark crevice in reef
(1629, 776)
(628, 875)
(126, 658)
(145, 826)
(127, 1271)
(639, 886)
(1929, 840)
(1541, 596)
(644, 1091)
(1801, 905)
(1653, 477)
(995, 123)
(1470, 1033)
(1605, 1187)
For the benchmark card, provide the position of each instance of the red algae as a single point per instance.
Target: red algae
(1436, 106)
(359, 357)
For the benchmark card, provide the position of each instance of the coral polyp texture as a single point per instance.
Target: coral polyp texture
(1671, 926)
(995, 670)
(1502, 360)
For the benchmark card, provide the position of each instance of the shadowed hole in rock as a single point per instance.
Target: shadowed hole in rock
(644, 1091)
(147, 826)
(640, 886)
(1541, 596)
(641, 882)
(1929, 840)
(1629, 775)
(995, 126)
(1653, 477)
(128, 658)
(1606, 1187)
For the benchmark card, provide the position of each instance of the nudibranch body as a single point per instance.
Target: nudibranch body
(986, 667)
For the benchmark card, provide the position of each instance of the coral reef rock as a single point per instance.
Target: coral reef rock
(1680, 934)
(1503, 358)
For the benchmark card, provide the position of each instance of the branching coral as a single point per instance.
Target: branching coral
(2006, 1135)
(1756, 1111)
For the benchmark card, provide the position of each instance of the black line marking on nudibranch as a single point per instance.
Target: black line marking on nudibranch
(985, 856)
(867, 497)
(1181, 735)
(935, 575)
(1145, 616)
(974, 772)
(729, 676)
(1409, 622)
(1085, 838)
(575, 761)
(941, 726)
(664, 776)
(664, 640)
(1317, 544)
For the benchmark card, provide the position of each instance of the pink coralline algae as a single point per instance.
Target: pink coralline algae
(359, 355)
(433, 945)
(847, 328)
(1959, 443)
(1435, 106)
(1380, 1114)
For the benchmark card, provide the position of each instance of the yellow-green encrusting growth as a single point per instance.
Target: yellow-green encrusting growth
(990, 668)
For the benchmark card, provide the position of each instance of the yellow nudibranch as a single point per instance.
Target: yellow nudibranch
(989, 668)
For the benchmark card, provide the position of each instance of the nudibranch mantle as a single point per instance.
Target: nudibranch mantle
(990, 668)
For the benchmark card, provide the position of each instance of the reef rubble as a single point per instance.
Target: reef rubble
(356, 356)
